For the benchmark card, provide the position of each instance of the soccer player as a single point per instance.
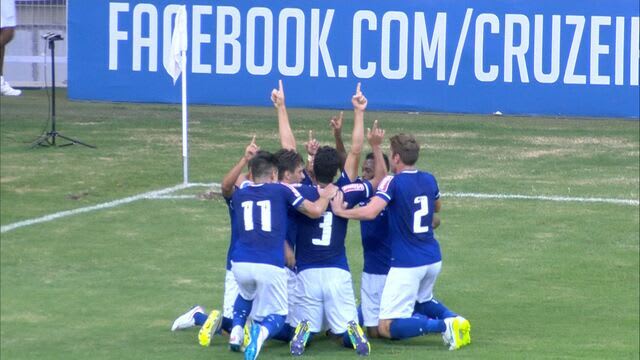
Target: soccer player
(411, 197)
(196, 316)
(258, 259)
(325, 289)
(376, 251)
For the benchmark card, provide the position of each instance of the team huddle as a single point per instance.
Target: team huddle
(288, 276)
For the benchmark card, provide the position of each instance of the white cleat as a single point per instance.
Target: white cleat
(7, 90)
(186, 320)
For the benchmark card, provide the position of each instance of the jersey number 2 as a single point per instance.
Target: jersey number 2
(265, 214)
(419, 214)
(325, 225)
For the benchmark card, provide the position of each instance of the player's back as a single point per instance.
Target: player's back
(320, 242)
(412, 195)
(260, 211)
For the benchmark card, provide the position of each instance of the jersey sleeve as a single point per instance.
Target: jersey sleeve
(356, 193)
(386, 188)
(293, 196)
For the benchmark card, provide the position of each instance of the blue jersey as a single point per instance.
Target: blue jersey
(260, 211)
(411, 197)
(376, 247)
(320, 242)
(233, 225)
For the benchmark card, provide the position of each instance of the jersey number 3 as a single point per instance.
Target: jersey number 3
(420, 214)
(325, 225)
(265, 215)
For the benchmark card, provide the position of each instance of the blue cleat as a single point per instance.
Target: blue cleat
(253, 349)
(300, 338)
(358, 339)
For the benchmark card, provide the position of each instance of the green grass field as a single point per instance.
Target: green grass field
(536, 278)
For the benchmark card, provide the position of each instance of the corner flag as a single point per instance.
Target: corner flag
(177, 66)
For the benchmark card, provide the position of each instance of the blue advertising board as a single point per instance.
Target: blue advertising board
(546, 57)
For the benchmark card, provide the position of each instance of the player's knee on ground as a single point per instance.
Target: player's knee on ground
(384, 328)
(372, 332)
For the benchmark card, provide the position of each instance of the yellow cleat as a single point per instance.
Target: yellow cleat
(247, 336)
(210, 328)
(458, 332)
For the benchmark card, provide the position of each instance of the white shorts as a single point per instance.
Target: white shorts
(7, 13)
(265, 284)
(370, 294)
(230, 294)
(292, 279)
(404, 287)
(325, 297)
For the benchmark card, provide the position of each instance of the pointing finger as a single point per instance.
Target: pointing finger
(358, 88)
(281, 88)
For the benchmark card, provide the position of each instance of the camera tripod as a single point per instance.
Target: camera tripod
(49, 138)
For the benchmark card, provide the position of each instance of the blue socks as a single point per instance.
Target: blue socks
(346, 341)
(285, 334)
(273, 323)
(241, 309)
(434, 309)
(227, 325)
(200, 318)
(415, 326)
(360, 316)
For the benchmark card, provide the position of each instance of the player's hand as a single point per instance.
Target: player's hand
(375, 135)
(277, 95)
(336, 124)
(338, 204)
(251, 149)
(329, 191)
(358, 100)
(312, 144)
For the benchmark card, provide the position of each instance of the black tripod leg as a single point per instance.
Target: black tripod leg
(43, 140)
(74, 141)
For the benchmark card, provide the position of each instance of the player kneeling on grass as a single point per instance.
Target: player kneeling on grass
(258, 260)
(216, 320)
(411, 197)
(325, 290)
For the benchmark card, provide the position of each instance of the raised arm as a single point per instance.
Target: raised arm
(359, 102)
(229, 181)
(312, 146)
(287, 140)
(368, 212)
(317, 208)
(375, 136)
(336, 126)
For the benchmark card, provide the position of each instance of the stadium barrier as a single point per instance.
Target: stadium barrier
(543, 57)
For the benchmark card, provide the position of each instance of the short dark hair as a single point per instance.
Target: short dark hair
(326, 164)
(262, 164)
(288, 160)
(384, 156)
(406, 146)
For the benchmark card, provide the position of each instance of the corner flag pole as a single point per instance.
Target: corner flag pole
(176, 63)
(185, 121)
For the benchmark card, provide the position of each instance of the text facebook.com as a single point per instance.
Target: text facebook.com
(407, 45)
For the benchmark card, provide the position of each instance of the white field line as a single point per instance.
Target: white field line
(165, 194)
(107, 205)
(543, 197)
(173, 197)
